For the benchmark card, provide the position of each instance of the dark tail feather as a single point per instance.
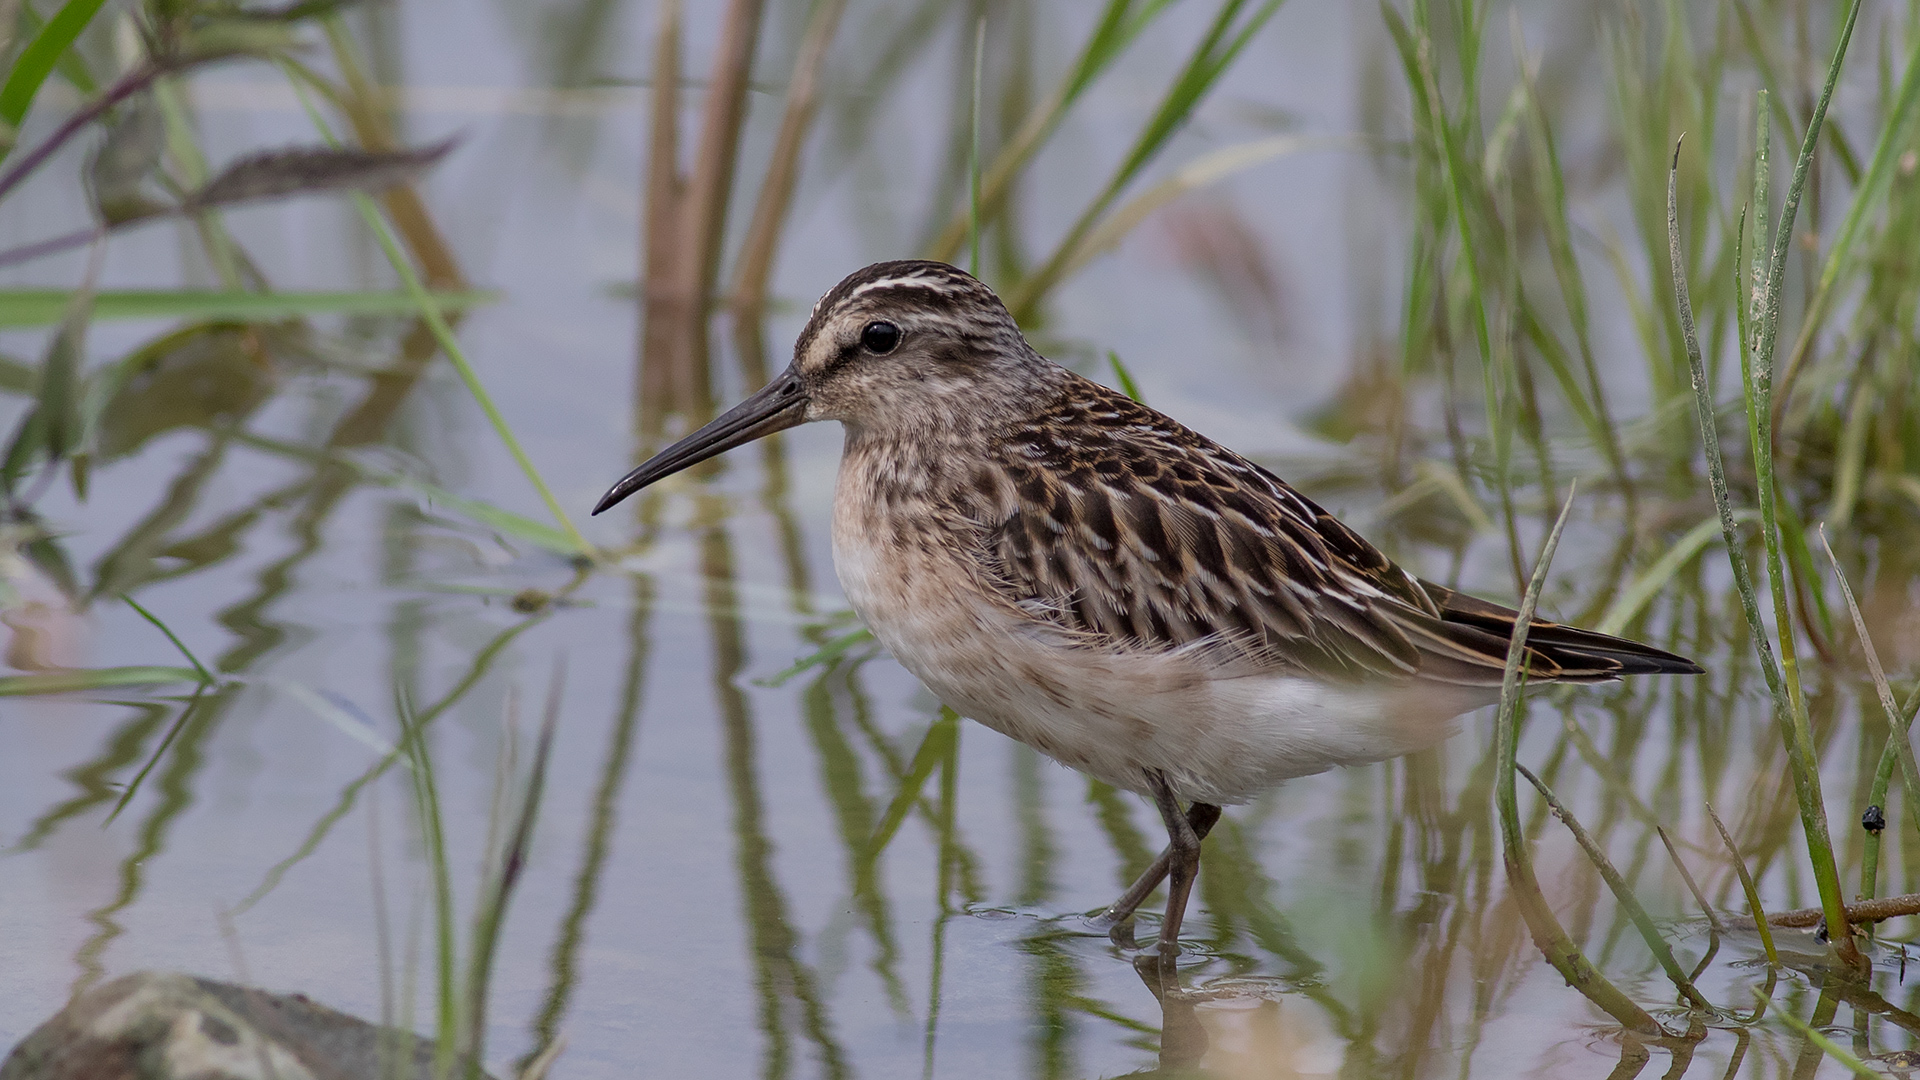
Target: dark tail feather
(1561, 653)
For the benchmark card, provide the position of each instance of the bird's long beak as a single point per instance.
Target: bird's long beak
(779, 405)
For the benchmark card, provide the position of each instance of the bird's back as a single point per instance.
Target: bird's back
(1115, 522)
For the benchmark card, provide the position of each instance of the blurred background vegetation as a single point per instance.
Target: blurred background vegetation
(323, 324)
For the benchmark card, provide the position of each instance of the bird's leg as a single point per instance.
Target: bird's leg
(1183, 852)
(1119, 917)
(1199, 819)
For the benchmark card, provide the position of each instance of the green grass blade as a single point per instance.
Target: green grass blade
(476, 671)
(179, 725)
(73, 679)
(1202, 171)
(1119, 25)
(433, 839)
(1548, 935)
(491, 912)
(458, 357)
(826, 654)
(1622, 892)
(44, 307)
(449, 344)
(934, 748)
(1760, 386)
(1686, 875)
(1747, 886)
(1886, 153)
(1223, 42)
(1760, 428)
(36, 61)
(1800, 756)
(1124, 377)
(493, 517)
(1897, 718)
(1648, 585)
(1827, 1046)
(205, 675)
(1760, 206)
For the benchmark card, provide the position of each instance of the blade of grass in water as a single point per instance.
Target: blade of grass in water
(492, 910)
(494, 517)
(1217, 50)
(36, 61)
(179, 724)
(1198, 173)
(1124, 377)
(1886, 152)
(1118, 27)
(1545, 928)
(205, 675)
(1759, 403)
(938, 742)
(826, 654)
(477, 670)
(1800, 756)
(1827, 1046)
(1686, 875)
(1622, 893)
(1649, 584)
(67, 681)
(442, 333)
(1877, 797)
(1897, 719)
(426, 803)
(455, 354)
(43, 307)
(1754, 909)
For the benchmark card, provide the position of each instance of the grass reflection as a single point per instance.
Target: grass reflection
(597, 843)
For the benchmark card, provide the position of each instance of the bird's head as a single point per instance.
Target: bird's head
(896, 348)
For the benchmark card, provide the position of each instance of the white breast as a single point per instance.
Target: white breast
(1115, 713)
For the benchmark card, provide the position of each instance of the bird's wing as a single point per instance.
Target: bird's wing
(1118, 523)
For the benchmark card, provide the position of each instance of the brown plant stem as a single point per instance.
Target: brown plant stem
(660, 211)
(755, 262)
(708, 190)
(128, 85)
(1865, 911)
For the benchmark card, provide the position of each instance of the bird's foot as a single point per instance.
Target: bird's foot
(1157, 969)
(1119, 930)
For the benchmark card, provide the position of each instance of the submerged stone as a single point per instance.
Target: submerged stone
(169, 1026)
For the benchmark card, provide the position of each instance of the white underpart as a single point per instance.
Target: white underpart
(1115, 714)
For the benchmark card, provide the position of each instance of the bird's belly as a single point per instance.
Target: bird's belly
(1116, 713)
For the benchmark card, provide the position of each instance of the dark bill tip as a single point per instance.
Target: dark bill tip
(779, 405)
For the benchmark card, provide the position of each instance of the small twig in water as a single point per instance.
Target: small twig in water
(1866, 911)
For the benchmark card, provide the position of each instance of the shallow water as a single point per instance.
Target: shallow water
(698, 900)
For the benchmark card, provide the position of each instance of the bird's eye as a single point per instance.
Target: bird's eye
(880, 337)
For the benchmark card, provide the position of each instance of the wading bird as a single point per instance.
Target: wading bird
(1117, 591)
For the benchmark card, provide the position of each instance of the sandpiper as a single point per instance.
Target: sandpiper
(1117, 591)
